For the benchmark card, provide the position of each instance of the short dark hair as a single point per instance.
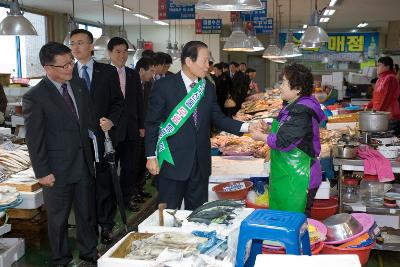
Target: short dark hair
(148, 53)
(88, 33)
(300, 78)
(243, 63)
(50, 50)
(219, 66)
(387, 61)
(116, 41)
(168, 58)
(191, 50)
(144, 63)
(250, 70)
(159, 58)
(234, 63)
(225, 65)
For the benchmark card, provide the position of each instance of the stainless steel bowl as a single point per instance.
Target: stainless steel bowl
(341, 226)
(344, 151)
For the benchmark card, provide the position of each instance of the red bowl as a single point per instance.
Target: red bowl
(324, 208)
(227, 190)
(315, 249)
(362, 253)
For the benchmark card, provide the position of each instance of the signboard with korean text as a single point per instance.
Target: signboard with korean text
(258, 18)
(208, 26)
(346, 46)
(167, 10)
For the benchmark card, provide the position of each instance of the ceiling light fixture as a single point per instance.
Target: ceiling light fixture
(15, 23)
(124, 35)
(72, 25)
(362, 25)
(314, 35)
(329, 12)
(159, 22)
(122, 7)
(290, 49)
(140, 43)
(229, 5)
(256, 43)
(142, 16)
(332, 2)
(273, 51)
(238, 40)
(102, 41)
(324, 20)
(305, 26)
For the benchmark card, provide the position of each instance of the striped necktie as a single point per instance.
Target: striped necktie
(85, 76)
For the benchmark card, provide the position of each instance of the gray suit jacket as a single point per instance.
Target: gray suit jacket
(58, 142)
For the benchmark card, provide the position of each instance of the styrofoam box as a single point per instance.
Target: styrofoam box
(5, 228)
(17, 120)
(323, 190)
(4, 130)
(307, 261)
(16, 249)
(31, 200)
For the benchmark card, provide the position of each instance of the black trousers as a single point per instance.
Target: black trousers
(59, 200)
(141, 165)
(105, 197)
(194, 190)
(127, 157)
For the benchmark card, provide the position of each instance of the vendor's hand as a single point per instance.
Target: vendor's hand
(259, 136)
(48, 180)
(141, 132)
(152, 166)
(106, 124)
(264, 127)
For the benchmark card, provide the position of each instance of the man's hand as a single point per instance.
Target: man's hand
(152, 166)
(141, 132)
(260, 126)
(48, 180)
(106, 124)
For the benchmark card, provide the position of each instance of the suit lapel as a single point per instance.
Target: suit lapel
(77, 90)
(58, 98)
(128, 83)
(95, 77)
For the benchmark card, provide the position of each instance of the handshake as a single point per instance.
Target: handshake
(259, 130)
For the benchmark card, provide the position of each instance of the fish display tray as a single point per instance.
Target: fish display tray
(24, 186)
(15, 250)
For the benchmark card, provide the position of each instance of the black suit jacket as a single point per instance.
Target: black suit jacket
(132, 118)
(147, 86)
(58, 142)
(106, 97)
(238, 84)
(189, 144)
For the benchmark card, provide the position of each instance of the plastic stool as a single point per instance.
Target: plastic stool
(274, 225)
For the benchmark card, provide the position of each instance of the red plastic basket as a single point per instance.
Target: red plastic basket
(324, 208)
(362, 253)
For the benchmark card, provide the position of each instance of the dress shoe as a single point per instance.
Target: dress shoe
(106, 236)
(132, 206)
(143, 194)
(91, 260)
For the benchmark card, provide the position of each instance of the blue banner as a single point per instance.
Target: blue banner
(167, 10)
(259, 19)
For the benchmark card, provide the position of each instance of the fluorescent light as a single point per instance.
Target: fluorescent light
(329, 12)
(142, 16)
(305, 26)
(159, 22)
(362, 25)
(121, 7)
(301, 31)
(354, 30)
(332, 2)
(324, 19)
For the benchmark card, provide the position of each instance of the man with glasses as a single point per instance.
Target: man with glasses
(57, 119)
(103, 86)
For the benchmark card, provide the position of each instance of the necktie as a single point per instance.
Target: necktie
(122, 80)
(194, 114)
(68, 99)
(85, 76)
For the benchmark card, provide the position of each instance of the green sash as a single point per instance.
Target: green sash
(176, 119)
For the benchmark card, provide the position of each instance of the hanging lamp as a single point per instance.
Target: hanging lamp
(290, 49)
(314, 36)
(72, 25)
(273, 50)
(15, 23)
(102, 41)
(176, 52)
(238, 40)
(229, 5)
(122, 32)
(140, 43)
(256, 43)
(210, 56)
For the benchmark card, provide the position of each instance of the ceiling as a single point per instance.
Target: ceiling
(348, 13)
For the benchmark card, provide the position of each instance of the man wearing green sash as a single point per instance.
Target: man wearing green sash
(182, 107)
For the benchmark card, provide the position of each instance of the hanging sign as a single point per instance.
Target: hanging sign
(208, 26)
(167, 10)
(258, 18)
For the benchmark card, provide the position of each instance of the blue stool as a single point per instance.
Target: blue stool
(285, 227)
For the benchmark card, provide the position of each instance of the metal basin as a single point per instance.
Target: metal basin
(341, 226)
(374, 121)
(344, 151)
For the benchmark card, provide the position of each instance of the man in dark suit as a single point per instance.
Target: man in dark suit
(103, 83)
(190, 147)
(131, 125)
(238, 84)
(57, 119)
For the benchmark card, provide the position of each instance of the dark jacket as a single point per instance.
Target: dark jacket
(299, 127)
(58, 142)
(189, 144)
(238, 86)
(222, 85)
(106, 97)
(132, 116)
(3, 100)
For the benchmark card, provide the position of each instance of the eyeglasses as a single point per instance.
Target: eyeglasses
(65, 66)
